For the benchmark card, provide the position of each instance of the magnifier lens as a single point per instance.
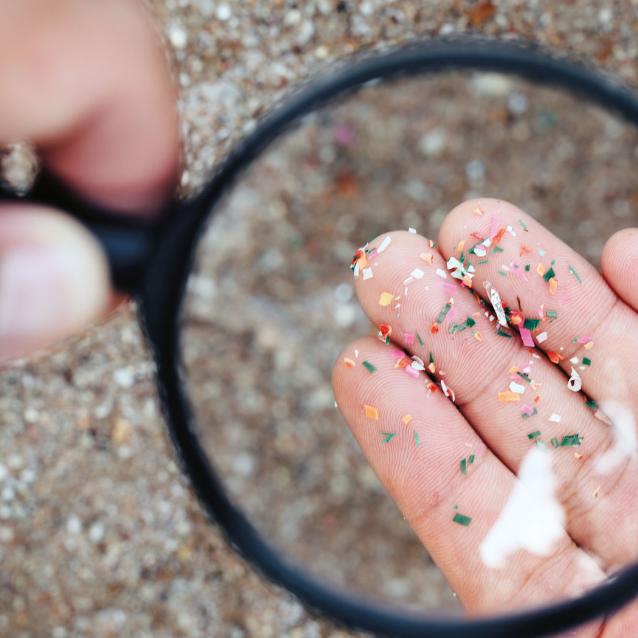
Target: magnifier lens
(271, 303)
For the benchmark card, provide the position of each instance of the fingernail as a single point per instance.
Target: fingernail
(35, 295)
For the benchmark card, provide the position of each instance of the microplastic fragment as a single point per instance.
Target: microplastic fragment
(417, 438)
(517, 387)
(554, 442)
(495, 300)
(553, 286)
(463, 466)
(388, 436)
(369, 367)
(498, 249)
(418, 336)
(572, 270)
(441, 273)
(427, 257)
(541, 338)
(523, 225)
(441, 318)
(575, 383)
(471, 459)
(529, 414)
(412, 231)
(590, 403)
(570, 440)
(460, 271)
(555, 418)
(531, 324)
(367, 274)
(408, 337)
(385, 299)
(371, 412)
(586, 361)
(412, 372)
(534, 435)
(554, 357)
(406, 418)
(349, 362)
(526, 338)
(549, 274)
(502, 333)
(461, 519)
(552, 314)
(417, 273)
(384, 244)
(508, 397)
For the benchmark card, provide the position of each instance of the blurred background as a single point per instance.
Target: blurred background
(99, 534)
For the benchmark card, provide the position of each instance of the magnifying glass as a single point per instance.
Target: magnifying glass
(247, 298)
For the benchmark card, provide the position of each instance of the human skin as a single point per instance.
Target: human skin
(87, 83)
(496, 391)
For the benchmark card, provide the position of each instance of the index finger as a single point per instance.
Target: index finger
(89, 85)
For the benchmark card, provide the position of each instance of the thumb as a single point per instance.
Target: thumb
(53, 278)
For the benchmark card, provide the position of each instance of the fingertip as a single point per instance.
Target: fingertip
(472, 215)
(619, 263)
(53, 279)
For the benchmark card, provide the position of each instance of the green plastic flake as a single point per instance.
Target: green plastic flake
(456, 327)
(554, 442)
(417, 438)
(523, 225)
(388, 436)
(483, 261)
(527, 267)
(534, 435)
(586, 361)
(502, 333)
(369, 367)
(464, 466)
(552, 314)
(498, 249)
(524, 376)
(590, 403)
(572, 270)
(461, 519)
(471, 459)
(549, 274)
(570, 440)
(441, 318)
(469, 322)
(531, 324)
(534, 412)
(502, 273)
(418, 336)
(431, 357)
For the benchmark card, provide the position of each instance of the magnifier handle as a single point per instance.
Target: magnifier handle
(125, 239)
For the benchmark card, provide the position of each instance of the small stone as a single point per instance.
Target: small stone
(433, 142)
(73, 525)
(96, 532)
(177, 36)
(121, 431)
(224, 12)
(124, 377)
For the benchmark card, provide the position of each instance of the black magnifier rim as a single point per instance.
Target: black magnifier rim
(165, 287)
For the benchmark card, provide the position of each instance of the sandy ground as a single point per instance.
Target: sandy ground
(99, 533)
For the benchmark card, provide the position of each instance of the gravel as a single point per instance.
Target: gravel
(99, 533)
